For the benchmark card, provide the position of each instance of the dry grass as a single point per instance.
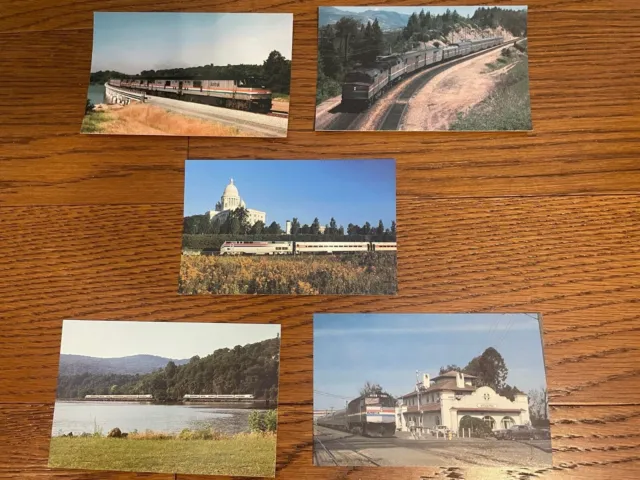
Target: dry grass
(141, 119)
(352, 274)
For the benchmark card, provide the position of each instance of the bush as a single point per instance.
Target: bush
(477, 426)
(263, 421)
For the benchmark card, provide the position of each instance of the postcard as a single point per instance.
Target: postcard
(190, 74)
(437, 390)
(169, 397)
(423, 68)
(311, 227)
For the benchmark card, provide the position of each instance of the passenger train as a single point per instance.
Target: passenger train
(215, 398)
(371, 416)
(248, 94)
(121, 398)
(296, 248)
(364, 85)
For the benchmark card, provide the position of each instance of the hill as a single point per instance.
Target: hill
(248, 369)
(387, 20)
(131, 365)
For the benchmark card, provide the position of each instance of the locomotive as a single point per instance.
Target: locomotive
(246, 94)
(371, 416)
(364, 85)
(296, 248)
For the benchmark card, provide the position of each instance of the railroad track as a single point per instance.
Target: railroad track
(345, 121)
(392, 118)
(336, 462)
(277, 113)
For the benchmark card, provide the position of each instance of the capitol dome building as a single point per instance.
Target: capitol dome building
(229, 201)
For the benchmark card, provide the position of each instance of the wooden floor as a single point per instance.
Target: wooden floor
(547, 222)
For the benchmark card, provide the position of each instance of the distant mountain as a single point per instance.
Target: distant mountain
(387, 20)
(76, 364)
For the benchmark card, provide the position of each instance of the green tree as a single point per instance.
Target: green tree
(380, 229)
(393, 227)
(490, 369)
(315, 226)
(347, 29)
(370, 388)
(366, 228)
(274, 228)
(295, 226)
(257, 228)
(170, 369)
(277, 72)
(449, 368)
(234, 225)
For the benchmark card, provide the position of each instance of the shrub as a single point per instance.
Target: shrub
(478, 427)
(263, 421)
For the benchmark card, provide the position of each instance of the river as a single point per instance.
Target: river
(88, 417)
(96, 93)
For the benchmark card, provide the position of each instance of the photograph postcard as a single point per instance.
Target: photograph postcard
(168, 397)
(310, 227)
(430, 390)
(190, 74)
(423, 68)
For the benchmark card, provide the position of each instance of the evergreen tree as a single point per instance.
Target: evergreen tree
(315, 226)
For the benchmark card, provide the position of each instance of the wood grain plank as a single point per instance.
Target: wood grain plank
(572, 259)
(34, 15)
(608, 435)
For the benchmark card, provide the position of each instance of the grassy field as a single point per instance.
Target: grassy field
(95, 122)
(146, 119)
(507, 108)
(364, 274)
(241, 455)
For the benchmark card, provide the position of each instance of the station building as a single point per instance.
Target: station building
(229, 201)
(448, 398)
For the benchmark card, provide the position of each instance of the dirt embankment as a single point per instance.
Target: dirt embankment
(144, 119)
(470, 34)
(451, 92)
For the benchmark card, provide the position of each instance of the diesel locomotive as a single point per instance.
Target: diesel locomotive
(364, 85)
(246, 94)
(371, 416)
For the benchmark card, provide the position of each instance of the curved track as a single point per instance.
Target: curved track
(392, 117)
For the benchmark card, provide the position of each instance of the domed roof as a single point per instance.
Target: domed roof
(230, 190)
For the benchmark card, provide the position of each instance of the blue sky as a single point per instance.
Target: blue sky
(349, 349)
(178, 340)
(136, 41)
(352, 191)
(462, 10)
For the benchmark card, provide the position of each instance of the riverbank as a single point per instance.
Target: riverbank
(145, 119)
(247, 454)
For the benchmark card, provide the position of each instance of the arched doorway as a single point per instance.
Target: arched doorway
(491, 423)
(507, 422)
